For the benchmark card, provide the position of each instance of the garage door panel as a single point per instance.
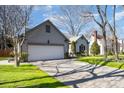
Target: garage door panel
(37, 52)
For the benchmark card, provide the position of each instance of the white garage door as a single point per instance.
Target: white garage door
(45, 52)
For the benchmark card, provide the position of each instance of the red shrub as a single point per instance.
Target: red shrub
(5, 53)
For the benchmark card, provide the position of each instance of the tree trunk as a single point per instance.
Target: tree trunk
(2, 41)
(105, 46)
(5, 43)
(115, 37)
(116, 48)
(17, 63)
(112, 49)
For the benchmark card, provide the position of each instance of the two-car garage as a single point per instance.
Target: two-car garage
(45, 42)
(45, 52)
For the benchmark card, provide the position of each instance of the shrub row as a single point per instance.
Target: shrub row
(5, 53)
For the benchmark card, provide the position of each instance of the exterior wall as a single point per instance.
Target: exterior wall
(82, 41)
(78, 43)
(70, 50)
(101, 44)
(40, 36)
(121, 45)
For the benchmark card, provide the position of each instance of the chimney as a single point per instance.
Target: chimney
(95, 35)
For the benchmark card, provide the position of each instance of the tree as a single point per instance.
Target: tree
(4, 26)
(14, 21)
(73, 47)
(72, 19)
(102, 13)
(95, 48)
(113, 31)
(22, 14)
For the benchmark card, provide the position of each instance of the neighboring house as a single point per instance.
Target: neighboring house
(121, 43)
(45, 42)
(81, 43)
(100, 41)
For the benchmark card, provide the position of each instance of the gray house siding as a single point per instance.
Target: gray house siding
(78, 42)
(39, 36)
(84, 42)
(81, 41)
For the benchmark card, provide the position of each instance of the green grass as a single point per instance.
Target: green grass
(26, 76)
(3, 58)
(98, 60)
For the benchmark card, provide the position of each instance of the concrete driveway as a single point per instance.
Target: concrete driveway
(83, 75)
(4, 62)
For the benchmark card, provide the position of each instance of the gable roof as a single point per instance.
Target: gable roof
(74, 38)
(51, 24)
(77, 38)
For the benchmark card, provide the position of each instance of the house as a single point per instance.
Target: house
(81, 44)
(99, 38)
(121, 45)
(45, 42)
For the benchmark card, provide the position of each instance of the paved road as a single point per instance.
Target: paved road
(83, 75)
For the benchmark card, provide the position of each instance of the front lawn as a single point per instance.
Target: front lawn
(98, 60)
(26, 76)
(3, 58)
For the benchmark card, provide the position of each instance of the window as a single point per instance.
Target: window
(48, 28)
(82, 47)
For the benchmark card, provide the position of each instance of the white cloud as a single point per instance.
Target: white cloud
(49, 7)
(52, 17)
(37, 7)
(43, 7)
(119, 15)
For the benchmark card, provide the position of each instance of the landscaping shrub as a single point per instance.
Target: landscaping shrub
(78, 54)
(81, 53)
(109, 52)
(24, 56)
(12, 54)
(95, 48)
(66, 55)
(5, 53)
(122, 52)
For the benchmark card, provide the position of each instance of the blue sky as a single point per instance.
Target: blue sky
(42, 13)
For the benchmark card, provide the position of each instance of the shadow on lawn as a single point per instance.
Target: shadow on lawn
(24, 80)
(41, 85)
(47, 85)
(90, 69)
